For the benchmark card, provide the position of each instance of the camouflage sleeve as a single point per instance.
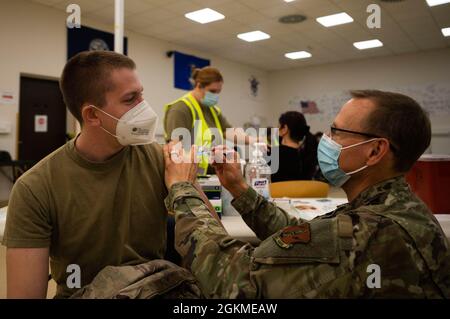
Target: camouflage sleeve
(305, 260)
(220, 263)
(262, 216)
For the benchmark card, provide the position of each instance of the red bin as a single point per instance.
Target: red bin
(430, 180)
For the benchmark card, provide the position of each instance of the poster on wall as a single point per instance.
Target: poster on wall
(184, 66)
(41, 123)
(89, 39)
(8, 98)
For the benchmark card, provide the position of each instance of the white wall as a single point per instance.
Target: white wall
(385, 73)
(34, 41)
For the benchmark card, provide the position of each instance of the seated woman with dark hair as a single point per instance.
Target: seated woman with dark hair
(297, 149)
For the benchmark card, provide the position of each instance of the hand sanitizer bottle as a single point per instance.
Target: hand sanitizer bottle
(257, 172)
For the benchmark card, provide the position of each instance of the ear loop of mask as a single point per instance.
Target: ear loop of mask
(357, 144)
(101, 126)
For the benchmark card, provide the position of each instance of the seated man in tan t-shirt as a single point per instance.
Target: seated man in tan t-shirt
(99, 199)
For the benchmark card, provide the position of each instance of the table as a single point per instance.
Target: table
(305, 208)
(237, 228)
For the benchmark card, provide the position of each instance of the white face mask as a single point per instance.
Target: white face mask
(136, 127)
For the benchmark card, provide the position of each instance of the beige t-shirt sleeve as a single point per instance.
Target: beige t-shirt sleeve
(28, 222)
(178, 116)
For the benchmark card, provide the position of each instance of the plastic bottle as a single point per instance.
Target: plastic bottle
(257, 172)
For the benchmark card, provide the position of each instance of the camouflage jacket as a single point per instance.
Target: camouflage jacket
(386, 235)
(154, 279)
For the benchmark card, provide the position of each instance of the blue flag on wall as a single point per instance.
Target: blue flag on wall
(89, 39)
(184, 65)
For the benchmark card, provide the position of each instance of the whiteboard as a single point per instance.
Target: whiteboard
(433, 97)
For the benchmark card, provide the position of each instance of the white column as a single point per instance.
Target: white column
(119, 22)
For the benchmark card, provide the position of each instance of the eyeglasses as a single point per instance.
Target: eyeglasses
(334, 129)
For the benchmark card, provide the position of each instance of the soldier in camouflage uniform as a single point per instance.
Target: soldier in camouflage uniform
(384, 225)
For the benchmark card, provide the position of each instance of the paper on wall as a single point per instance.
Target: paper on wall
(40, 123)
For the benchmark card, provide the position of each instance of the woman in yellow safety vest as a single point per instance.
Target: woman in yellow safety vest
(197, 111)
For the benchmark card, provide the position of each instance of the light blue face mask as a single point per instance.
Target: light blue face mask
(210, 99)
(328, 154)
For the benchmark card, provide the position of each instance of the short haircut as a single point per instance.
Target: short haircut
(402, 121)
(86, 78)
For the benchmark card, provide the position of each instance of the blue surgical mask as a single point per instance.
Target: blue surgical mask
(328, 154)
(210, 99)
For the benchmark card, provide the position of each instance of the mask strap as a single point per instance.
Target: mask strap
(365, 166)
(109, 116)
(108, 132)
(360, 143)
(113, 117)
(357, 170)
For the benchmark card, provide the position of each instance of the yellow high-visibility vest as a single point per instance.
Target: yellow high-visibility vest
(202, 135)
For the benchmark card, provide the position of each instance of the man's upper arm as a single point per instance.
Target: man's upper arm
(262, 216)
(308, 260)
(27, 238)
(28, 222)
(228, 268)
(219, 262)
(27, 272)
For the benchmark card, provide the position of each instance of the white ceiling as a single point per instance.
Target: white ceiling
(407, 26)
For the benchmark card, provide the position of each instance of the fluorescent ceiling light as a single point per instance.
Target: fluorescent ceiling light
(368, 44)
(294, 0)
(433, 3)
(335, 19)
(298, 55)
(204, 16)
(446, 32)
(253, 36)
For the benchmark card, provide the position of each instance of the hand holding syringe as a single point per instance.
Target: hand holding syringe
(228, 167)
(222, 154)
(212, 153)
